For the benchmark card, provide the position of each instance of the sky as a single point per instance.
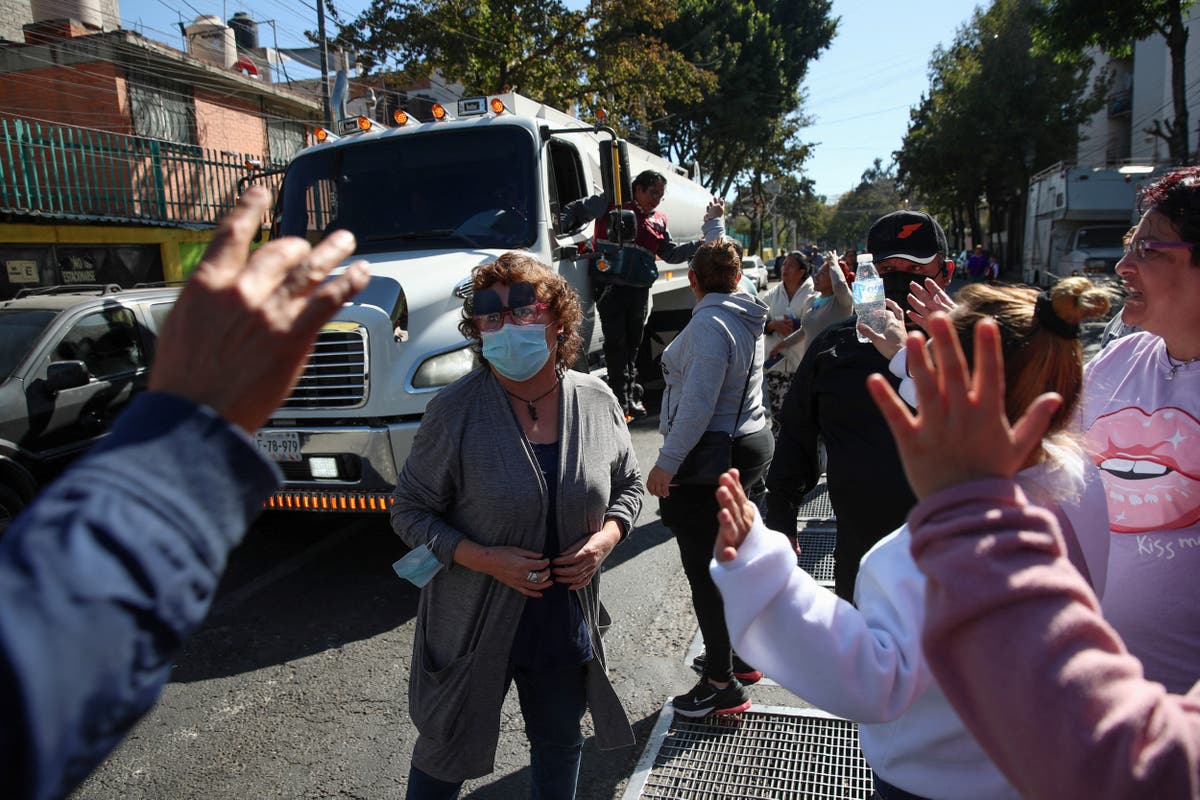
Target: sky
(858, 93)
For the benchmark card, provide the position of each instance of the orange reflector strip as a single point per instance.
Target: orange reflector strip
(330, 501)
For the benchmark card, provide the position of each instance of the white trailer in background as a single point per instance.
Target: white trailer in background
(1075, 221)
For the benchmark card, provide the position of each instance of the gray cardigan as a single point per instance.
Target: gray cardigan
(472, 474)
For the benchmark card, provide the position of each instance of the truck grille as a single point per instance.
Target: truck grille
(336, 373)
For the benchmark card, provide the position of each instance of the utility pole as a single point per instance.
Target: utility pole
(324, 62)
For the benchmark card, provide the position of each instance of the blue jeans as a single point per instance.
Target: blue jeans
(552, 703)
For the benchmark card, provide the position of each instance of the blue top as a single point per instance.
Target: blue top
(551, 632)
(103, 577)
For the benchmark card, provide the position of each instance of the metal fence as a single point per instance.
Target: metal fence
(67, 172)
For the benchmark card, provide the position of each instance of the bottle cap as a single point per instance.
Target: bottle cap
(865, 258)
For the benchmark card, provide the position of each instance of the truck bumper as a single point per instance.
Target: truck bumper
(359, 466)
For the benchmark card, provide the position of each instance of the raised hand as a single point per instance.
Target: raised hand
(735, 517)
(924, 300)
(960, 431)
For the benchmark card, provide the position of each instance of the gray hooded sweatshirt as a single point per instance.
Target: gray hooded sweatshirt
(705, 370)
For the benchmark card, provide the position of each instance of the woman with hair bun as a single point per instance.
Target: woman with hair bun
(714, 375)
(872, 668)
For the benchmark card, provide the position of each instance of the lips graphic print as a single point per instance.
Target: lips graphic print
(1150, 465)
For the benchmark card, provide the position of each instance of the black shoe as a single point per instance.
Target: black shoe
(745, 673)
(705, 699)
(635, 409)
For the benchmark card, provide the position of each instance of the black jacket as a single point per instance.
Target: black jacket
(828, 396)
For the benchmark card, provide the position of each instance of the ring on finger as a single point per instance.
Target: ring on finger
(533, 577)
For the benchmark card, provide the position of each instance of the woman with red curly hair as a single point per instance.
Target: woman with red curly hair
(520, 482)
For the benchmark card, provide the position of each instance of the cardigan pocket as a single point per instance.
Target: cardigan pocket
(436, 697)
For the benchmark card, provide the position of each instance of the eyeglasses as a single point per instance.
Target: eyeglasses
(490, 311)
(521, 315)
(1139, 247)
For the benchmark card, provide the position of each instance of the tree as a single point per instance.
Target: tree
(1065, 28)
(758, 51)
(996, 111)
(856, 210)
(559, 56)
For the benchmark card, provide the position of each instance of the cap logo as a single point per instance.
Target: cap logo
(909, 230)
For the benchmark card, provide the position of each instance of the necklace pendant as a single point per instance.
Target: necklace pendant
(532, 410)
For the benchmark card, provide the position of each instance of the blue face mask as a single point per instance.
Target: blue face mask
(516, 351)
(419, 566)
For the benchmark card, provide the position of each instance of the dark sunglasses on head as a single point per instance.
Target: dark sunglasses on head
(489, 311)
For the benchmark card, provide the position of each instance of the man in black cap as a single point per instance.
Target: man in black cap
(828, 400)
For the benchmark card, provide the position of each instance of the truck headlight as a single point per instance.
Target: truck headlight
(444, 368)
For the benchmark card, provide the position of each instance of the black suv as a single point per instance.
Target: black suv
(71, 358)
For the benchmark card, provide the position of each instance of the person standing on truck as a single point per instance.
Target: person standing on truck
(623, 305)
(521, 480)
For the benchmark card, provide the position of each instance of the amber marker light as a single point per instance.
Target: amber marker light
(439, 111)
(364, 124)
(400, 116)
(320, 134)
(497, 105)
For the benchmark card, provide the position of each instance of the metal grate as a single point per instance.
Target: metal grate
(816, 552)
(815, 505)
(771, 753)
(336, 373)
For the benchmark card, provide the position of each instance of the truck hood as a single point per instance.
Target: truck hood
(395, 351)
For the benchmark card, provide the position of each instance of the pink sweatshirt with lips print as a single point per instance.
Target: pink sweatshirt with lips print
(1142, 427)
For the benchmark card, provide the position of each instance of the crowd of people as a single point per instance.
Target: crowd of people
(1016, 530)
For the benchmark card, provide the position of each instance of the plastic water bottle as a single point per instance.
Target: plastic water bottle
(868, 296)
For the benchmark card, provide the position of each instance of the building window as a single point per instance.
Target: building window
(285, 138)
(162, 109)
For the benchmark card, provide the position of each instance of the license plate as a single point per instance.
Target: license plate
(279, 445)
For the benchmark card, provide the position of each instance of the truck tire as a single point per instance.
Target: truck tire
(11, 504)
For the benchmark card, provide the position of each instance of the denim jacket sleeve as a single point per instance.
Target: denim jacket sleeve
(103, 577)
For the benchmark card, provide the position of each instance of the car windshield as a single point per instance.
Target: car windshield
(19, 330)
(1096, 238)
(436, 190)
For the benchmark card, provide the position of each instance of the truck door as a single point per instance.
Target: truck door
(566, 182)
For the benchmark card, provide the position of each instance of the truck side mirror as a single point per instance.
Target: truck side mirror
(568, 252)
(62, 375)
(623, 223)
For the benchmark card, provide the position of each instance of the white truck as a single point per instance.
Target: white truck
(429, 201)
(1075, 221)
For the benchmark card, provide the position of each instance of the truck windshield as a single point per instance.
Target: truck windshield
(1098, 238)
(19, 331)
(437, 190)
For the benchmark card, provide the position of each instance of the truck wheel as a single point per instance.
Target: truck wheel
(10, 505)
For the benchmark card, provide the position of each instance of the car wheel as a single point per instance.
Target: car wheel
(11, 504)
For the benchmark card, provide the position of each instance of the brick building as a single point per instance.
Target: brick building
(120, 153)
